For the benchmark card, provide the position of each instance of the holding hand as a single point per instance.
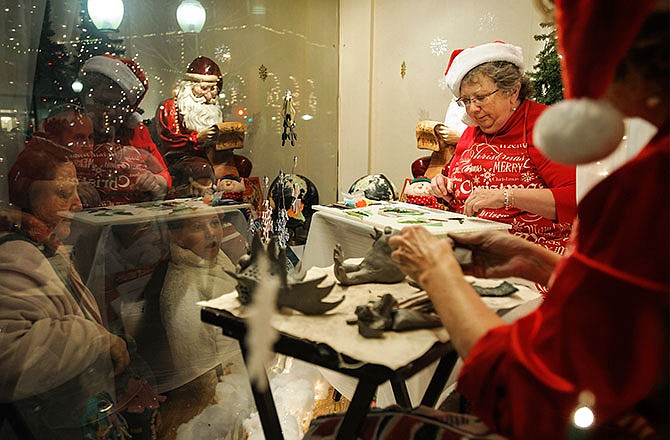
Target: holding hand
(424, 257)
(498, 254)
(89, 196)
(152, 183)
(119, 354)
(482, 198)
(442, 187)
(208, 134)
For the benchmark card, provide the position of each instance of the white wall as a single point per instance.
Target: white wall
(378, 108)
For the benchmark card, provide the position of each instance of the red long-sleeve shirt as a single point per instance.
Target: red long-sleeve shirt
(508, 159)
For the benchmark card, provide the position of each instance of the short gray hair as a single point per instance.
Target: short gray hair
(505, 75)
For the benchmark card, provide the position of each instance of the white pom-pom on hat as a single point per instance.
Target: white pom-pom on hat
(578, 131)
(584, 127)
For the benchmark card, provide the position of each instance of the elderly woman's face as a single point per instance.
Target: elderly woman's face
(201, 235)
(488, 108)
(48, 197)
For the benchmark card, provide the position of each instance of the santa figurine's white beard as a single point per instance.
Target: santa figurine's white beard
(197, 113)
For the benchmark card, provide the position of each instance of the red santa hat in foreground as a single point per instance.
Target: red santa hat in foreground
(593, 37)
(124, 72)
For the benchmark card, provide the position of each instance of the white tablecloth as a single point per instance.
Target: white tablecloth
(394, 350)
(353, 229)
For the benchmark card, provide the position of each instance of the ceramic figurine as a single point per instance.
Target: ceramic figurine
(294, 292)
(376, 267)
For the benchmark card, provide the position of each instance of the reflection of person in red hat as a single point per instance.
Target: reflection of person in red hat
(496, 173)
(114, 89)
(592, 361)
(191, 122)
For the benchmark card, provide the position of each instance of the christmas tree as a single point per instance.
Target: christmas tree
(54, 73)
(546, 77)
(58, 67)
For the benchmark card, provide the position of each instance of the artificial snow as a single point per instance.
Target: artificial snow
(294, 391)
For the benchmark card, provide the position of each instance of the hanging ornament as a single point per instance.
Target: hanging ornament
(281, 230)
(439, 46)
(263, 72)
(296, 205)
(266, 215)
(223, 53)
(403, 70)
(289, 121)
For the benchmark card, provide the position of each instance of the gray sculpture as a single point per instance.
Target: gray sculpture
(376, 267)
(294, 292)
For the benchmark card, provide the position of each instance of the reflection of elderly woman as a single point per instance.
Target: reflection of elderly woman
(496, 172)
(55, 351)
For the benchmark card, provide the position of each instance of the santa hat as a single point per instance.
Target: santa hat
(204, 69)
(593, 37)
(464, 60)
(124, 72)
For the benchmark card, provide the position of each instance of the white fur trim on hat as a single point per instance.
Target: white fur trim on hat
(578, 131)
(118, 72)
(472, 57)
(200, 77)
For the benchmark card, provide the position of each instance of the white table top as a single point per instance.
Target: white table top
(398, 215)
(176, 209)
(394, 350)
(352, 228)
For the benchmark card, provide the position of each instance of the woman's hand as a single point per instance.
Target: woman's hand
(152, 183)
(482, 198)
(431, 262)
(442, 187)
(119, 354)
(418, 253)
(89, 196)
(498, 254)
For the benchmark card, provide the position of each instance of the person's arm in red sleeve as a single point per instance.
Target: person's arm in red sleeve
(561, 180)
(169, 131)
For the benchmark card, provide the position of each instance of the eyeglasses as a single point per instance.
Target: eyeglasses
(478, 100)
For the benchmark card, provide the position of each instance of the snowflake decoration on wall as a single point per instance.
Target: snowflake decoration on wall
(487, 22)
(439, 46)
(222, 53)
(442, 83)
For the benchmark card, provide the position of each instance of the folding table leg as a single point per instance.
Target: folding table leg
(267, 411)
(439, 378)
(358, 409)
(265, 404)
(400, 393)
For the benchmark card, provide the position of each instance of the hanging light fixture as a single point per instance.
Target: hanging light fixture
(191, 16)
(106, 15)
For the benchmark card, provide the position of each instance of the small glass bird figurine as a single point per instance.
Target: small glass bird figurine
(289, 121)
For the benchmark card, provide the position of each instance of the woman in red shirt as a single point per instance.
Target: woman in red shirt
(496, 172)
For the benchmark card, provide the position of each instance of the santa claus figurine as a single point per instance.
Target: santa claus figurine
(191, 123)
